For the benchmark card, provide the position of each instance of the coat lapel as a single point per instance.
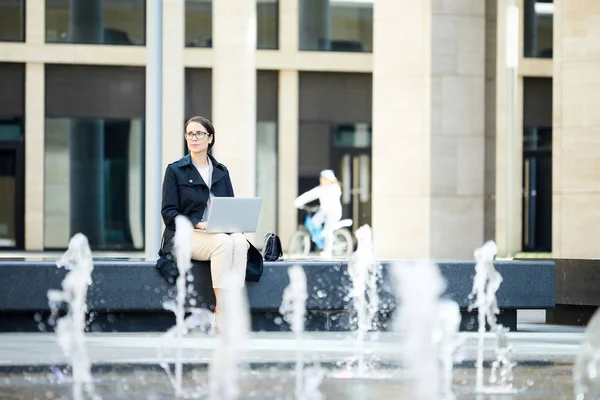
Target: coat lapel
(218, 172)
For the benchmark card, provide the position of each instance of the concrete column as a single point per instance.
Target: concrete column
(491, 50)
(509, 137)
(35, 23)
(401, 128)
(428, 128)
(35, 32)
(234, 91)
(287, 184)
(288, 26)
(86, 21)
(173, 90)
(576, 131)
(34, 156)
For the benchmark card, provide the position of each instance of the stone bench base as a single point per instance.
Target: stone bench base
(127, 296)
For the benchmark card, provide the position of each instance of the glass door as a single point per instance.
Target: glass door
(352, 164)
(537, 190)
(11, 196)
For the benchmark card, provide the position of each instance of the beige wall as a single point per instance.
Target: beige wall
(576, 133)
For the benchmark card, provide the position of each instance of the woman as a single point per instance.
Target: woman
(188, 188)
(330, 211)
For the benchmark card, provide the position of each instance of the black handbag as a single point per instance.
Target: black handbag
(167, 268)
(166, 265)
(254, 265)
(272, 249)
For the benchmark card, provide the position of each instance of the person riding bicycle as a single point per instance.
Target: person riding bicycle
(329, 193)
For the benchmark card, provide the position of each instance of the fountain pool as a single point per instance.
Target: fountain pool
(125, 365)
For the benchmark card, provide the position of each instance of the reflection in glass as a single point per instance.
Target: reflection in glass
(538, 32)
(266, 177)
(12, 20)
(267, 14)
(115, 22)
(198, 23)
(97, 182)
(336, 25)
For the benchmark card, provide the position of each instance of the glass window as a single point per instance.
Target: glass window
(94, 148)
(12, 20)
(96, 184)
(336, 25)
(198, 23)
(119, 22)
(266, 177)
(538, 16)
(266, 152)
(267, 14)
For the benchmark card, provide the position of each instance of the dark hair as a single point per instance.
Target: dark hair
(205, 122)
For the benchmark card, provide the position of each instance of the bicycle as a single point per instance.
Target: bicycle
(300, 242)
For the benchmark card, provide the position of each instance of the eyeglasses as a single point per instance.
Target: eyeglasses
(197, 135)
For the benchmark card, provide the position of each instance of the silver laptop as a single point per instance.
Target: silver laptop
(233, 214)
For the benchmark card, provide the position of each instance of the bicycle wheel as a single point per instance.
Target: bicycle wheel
(299, 244)
(343, 244)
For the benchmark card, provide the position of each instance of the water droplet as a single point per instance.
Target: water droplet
(193, 302)
(37, 317)
(278, 320)
(321, 294)
(42, 327)
(111, 318)
(156, 290)
(190, 278)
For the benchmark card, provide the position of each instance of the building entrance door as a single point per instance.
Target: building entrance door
(537, 190)
(351, 158)
(11, 195)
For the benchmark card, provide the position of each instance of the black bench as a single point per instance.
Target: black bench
(127, 295)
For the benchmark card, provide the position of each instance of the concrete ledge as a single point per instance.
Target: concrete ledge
(128, 295)
(576, 291)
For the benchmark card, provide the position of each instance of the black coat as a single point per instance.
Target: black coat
(185, 192)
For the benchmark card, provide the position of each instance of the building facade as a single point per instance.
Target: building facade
(448, 122)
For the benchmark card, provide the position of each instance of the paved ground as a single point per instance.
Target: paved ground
(126, 365)
(539, 343)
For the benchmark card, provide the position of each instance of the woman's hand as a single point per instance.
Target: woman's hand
(201, 225)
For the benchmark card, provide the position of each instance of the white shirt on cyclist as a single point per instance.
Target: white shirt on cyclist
(329, 198)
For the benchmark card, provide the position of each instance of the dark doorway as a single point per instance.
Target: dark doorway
(12, 177)
(351, 161)
(537, 189)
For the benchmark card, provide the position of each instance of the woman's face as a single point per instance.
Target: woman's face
(197, 138)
